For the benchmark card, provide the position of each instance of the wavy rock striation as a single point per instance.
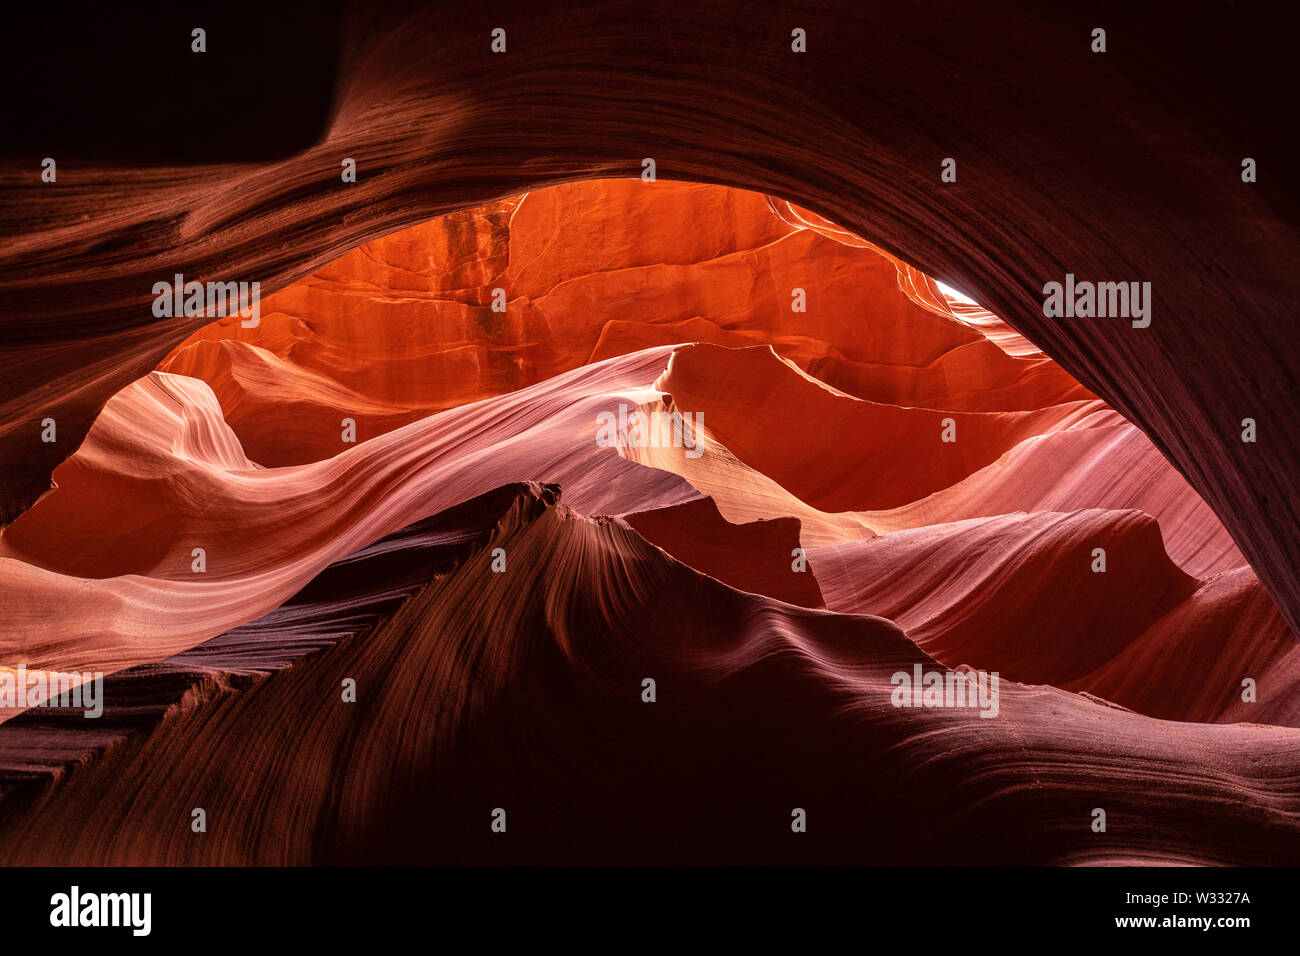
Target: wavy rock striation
(1091, 168)
(365, 487)
(485, 693)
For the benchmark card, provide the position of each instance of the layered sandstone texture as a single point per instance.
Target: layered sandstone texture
(396, 481)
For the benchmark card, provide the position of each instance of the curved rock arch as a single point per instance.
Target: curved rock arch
(1122, 166)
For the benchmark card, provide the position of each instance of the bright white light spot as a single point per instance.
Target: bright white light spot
(954, 294)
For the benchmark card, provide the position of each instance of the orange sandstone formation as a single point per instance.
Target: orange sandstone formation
(825, 473)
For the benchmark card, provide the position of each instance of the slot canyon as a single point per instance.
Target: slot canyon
(624, 507)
